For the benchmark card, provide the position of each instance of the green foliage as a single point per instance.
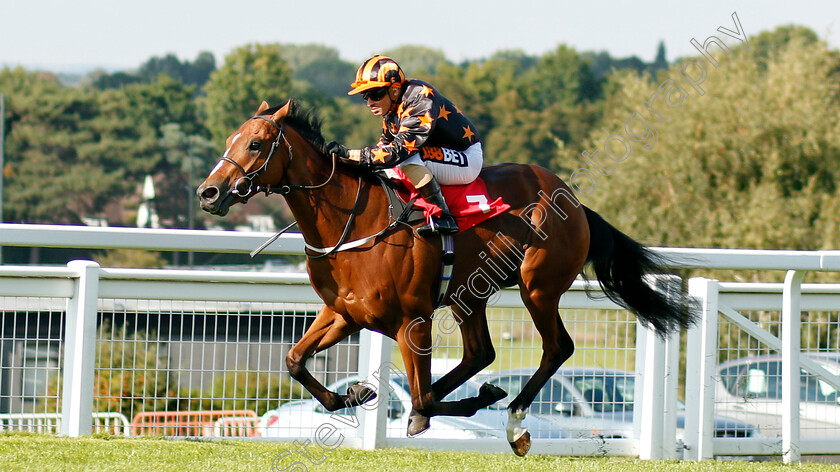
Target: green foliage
(241, 390)
(525, 106)
(187, 158)
(131, 258)
(318, 68)
(71, 152)
(189, 73)
(131, 375)
(560, 77)
(752, 163)
(251, 74)
(46, 156)
(415, 60)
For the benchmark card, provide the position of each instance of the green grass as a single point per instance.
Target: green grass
(30, 452)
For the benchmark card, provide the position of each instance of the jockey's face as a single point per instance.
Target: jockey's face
(380, 101)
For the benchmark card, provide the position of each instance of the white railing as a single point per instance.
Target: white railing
(292, 243)
(50, 423)
(724, 300)
(82, 283)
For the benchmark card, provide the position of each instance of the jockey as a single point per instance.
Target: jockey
(423, 134)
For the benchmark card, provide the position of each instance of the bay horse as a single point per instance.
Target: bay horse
(389, 284)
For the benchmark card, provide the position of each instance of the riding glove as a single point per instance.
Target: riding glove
(338, 149)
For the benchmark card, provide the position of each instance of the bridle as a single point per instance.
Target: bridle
(249, 177)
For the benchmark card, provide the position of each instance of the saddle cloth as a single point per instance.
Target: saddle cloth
(469, 204)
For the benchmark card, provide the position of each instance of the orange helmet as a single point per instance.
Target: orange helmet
(378, 71)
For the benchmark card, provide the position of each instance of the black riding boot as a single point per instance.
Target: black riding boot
(445, 223)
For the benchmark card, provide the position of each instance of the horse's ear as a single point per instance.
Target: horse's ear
(263, 107)
(282, 112)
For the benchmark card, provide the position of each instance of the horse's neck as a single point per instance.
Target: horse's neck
(322, 213)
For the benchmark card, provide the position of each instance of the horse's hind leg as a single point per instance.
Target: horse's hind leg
(415, 342)
(478, 354)
(328, 329)
(540, 286)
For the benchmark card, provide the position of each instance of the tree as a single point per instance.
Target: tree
(332, 77)
(72, 152)
(753, 162)
(51, 178)
(299, 56)
(415, 60)
(189, 73)
(561, 76)
(187, 157)
(251, 74)
(660, 62)
(101, 80)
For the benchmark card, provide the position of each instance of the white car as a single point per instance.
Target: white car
(300, 418)
(750, 389)
(589, 402)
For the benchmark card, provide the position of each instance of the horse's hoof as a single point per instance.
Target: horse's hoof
(358, 394)
(417, 424)
(522, 445)
(491, 392)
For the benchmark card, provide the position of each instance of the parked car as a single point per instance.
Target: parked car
(494, 419)
(750, 389)
(301, 418)
(593, 403)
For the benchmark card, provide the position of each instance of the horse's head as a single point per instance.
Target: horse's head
(254, 159)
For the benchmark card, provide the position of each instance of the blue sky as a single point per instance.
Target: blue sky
(66, 35)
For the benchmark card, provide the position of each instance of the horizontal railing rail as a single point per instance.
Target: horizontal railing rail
(29, 235)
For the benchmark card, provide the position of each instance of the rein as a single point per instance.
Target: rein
(249, 178)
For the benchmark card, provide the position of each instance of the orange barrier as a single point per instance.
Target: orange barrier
(193, 423)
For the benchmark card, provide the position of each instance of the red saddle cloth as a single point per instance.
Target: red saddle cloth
(470, 204)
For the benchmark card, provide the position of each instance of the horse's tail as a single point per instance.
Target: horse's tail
(622, 265)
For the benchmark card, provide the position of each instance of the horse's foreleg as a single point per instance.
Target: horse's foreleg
(415, 342)
(328, 329)
(478, 354)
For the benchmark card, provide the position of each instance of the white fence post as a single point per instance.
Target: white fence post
(651, 368)
(671, 392)
(375, 368)
(657, 368)
(791, 340)
(80, 351)
(701, 360)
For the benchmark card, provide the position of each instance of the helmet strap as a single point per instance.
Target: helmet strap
(394, 100)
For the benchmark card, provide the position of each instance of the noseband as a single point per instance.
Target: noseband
(249, 177)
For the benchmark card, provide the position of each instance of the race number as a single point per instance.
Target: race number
(481, 200)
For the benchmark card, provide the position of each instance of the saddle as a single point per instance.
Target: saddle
(402, 209)
(469, 204)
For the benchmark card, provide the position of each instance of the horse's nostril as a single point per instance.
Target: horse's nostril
(210, 194)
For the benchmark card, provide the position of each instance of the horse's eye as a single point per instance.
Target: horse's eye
(255, 146)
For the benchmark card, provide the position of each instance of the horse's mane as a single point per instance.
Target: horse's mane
(304, 120)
